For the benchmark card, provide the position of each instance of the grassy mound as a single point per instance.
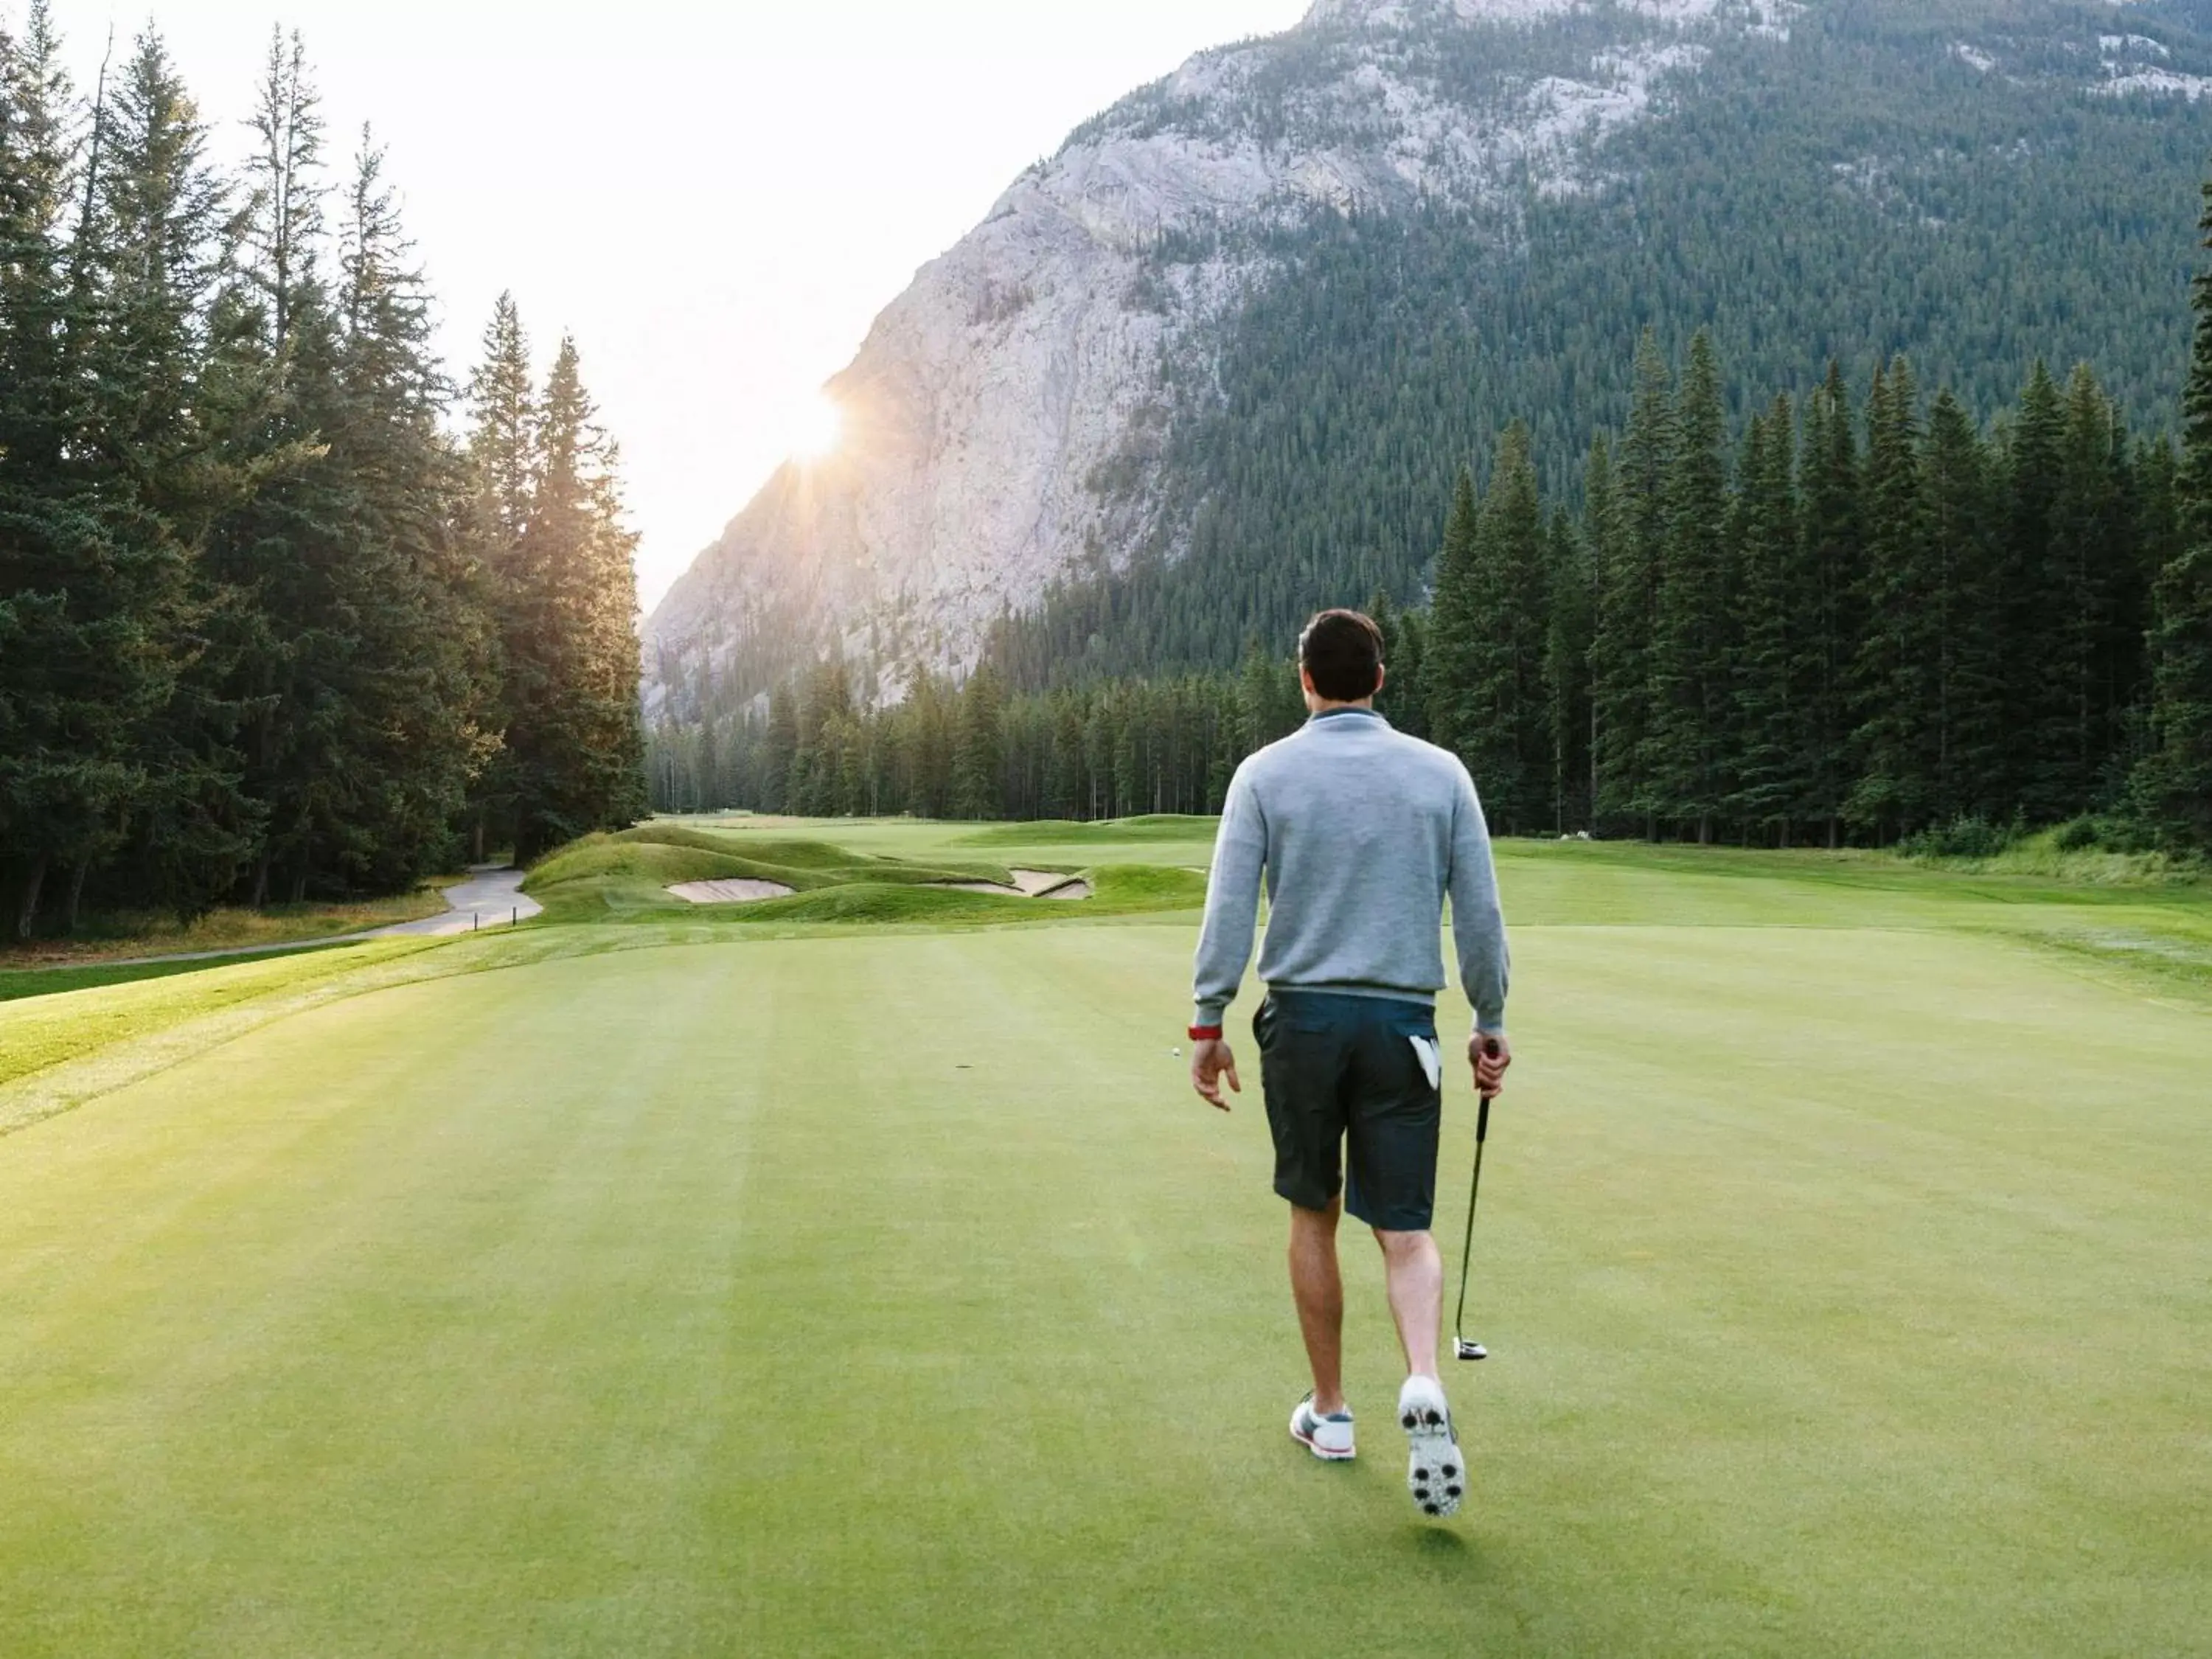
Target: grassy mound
(1145, 887)
(788, 853)
(1116, 890)
(608, 859)
(886, 901)
(627, 877)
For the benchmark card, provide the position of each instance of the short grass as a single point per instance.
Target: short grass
(830, 1287)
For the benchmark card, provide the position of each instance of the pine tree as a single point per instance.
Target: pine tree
(1494, 681)
(1570, 628)
(1066, 793)
(2093, 583)
(1401, 701)
(425, 703)
(573, 727)
(1773, 754)
(1827, 596)
(2173, 783)
(84, 642)
(1406, 666)
(1449, 669)
(1961, 679)
(978, 784)
(825, 711)
(1269, 704)
(502, 455)
(1628, 593)
(288, 646)
(1685, 746)
(1615, 637)
(2155, 473)
(503, 441)
(2035, 455)
(164, 403)
(778, 749)
(1893, 679)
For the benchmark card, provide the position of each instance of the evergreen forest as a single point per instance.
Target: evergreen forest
(1862, 190)
(1866, 616)
(272, 628)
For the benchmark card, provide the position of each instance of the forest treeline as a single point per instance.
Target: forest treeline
(1867, 619)
(1901, 200)
(269, 630)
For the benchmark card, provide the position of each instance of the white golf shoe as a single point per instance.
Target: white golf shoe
(1328, 1439)
(1436, 1473)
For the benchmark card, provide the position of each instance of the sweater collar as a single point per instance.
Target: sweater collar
(1345, 713)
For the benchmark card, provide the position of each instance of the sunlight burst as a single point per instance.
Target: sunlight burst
(816, 427)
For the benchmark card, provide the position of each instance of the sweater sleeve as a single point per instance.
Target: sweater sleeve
(1232, 903)
(1477, 920)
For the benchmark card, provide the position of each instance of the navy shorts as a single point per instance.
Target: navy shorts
(1343, 1072)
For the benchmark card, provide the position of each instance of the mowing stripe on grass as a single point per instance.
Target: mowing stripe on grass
(891, 1293)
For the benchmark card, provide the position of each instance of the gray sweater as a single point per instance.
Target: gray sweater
(1362, 832)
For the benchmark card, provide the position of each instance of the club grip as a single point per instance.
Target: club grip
(1489, 1051)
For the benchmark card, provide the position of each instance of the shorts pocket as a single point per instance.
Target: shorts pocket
(1432, 1059)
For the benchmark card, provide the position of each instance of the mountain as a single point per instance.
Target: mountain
(1217, 361)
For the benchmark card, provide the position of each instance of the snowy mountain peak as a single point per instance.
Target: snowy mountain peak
(1395, 14)
(1764, 14)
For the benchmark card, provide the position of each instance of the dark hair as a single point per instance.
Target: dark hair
(1343, 652)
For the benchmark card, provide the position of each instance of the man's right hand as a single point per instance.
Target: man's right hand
(1210, 1062)
(1490, 1056)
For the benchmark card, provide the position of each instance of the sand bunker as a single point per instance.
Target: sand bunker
(1065, 887)
(1028, 884)
(730, 892)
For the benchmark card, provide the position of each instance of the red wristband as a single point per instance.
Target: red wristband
(1206, 1033)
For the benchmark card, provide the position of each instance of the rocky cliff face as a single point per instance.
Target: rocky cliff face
(993, 398)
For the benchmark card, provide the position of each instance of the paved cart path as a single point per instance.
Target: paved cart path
(490, 897)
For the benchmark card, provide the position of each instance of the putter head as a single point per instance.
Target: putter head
(1463, 1349)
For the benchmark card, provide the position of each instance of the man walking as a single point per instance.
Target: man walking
(1361, 832)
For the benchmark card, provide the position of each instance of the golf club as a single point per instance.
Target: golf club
(1461, 1348)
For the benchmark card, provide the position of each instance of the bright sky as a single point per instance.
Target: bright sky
(715, 199)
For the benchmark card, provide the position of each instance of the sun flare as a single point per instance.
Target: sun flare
(816, 427)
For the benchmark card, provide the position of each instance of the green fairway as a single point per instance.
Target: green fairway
(809, 1289)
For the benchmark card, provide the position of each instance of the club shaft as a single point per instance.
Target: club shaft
(1473, 1192)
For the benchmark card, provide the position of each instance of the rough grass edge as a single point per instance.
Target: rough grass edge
(2085, 852)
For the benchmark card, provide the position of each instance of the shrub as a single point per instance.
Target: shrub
(1964, 837)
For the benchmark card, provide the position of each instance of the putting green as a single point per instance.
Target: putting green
(1848, 1285)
